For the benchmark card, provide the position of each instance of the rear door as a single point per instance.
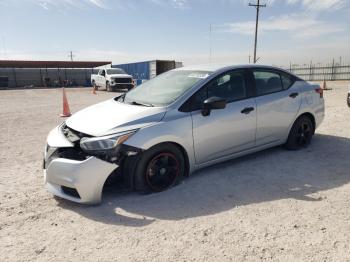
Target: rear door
(229, 130)
(278, 101)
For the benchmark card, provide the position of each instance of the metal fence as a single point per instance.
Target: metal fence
(319, 72)
(45, 77)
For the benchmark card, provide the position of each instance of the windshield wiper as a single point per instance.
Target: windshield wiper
(141, 104)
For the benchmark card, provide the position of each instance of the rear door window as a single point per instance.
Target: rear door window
(287, 80)
(267, 82)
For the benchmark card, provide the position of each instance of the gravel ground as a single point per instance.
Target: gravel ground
(274, 205)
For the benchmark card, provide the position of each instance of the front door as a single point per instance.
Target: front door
(229, 130)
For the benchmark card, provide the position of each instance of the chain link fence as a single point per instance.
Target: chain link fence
(319, 72)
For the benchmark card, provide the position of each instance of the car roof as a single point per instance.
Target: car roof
(219, 67)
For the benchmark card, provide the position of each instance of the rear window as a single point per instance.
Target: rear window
(267, 82)
(287, 80)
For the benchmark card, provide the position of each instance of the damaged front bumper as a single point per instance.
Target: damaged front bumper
(78, 181)
(70, 173)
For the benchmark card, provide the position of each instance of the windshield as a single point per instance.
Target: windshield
(115, 71)
(165, 88)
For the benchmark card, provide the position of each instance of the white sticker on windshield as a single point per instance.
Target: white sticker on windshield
(198, 75)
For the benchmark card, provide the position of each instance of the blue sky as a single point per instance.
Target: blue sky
(121, 31)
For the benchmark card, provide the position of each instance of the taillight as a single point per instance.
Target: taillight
(320, 91)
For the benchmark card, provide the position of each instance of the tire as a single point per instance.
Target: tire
(108, 87)
(94, 85)
(348, 100)
(300, 135)
(158, 169)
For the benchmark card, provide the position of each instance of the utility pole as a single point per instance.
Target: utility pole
(71, 56)
(257, 6)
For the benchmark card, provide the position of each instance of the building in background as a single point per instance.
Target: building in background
(142, 71)
(14, 73)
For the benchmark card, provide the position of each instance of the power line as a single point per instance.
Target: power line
(71, 56)
(257, 6)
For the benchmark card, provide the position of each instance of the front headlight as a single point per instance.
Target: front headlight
(105, 144)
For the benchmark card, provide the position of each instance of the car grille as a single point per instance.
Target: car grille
(122, 80)
(73, 153)
(72, 135)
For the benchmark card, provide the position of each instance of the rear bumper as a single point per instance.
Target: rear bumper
(319, 114)
(85, 177)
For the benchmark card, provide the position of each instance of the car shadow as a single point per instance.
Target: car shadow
(269, 175)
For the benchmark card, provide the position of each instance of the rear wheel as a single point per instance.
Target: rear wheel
(159, 168)
(301, 133)
(348, 100)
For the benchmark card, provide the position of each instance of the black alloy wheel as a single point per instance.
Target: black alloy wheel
(301, 133)
(162, 172)
(304, 134)
(156, 169)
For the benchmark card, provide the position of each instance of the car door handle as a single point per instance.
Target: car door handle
(247, 110)
(293, 95)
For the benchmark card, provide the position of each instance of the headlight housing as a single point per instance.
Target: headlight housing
(105, 145)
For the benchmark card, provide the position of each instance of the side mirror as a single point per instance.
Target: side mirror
(213, 103)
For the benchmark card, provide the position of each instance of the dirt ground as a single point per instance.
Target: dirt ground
(274, 205)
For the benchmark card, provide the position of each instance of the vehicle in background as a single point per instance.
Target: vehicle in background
(112, 79)
(176, 123)
(144, 71)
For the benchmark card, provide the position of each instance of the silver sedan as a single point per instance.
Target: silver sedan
(185, 119)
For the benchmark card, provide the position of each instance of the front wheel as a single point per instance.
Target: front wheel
(108, 87)
(94, 85)
(159, 168)
(301, 134)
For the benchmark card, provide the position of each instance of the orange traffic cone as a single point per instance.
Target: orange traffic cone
(66, 111)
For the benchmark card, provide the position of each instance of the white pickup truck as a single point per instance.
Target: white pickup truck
(111, 79)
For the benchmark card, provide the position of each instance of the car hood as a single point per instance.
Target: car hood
(120, 76)
(112, 117)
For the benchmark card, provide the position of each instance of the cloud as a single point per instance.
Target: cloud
(68, 4)
(181, 4)
(298, 25)
(98, 3)
(106, 4)
(319, 5)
